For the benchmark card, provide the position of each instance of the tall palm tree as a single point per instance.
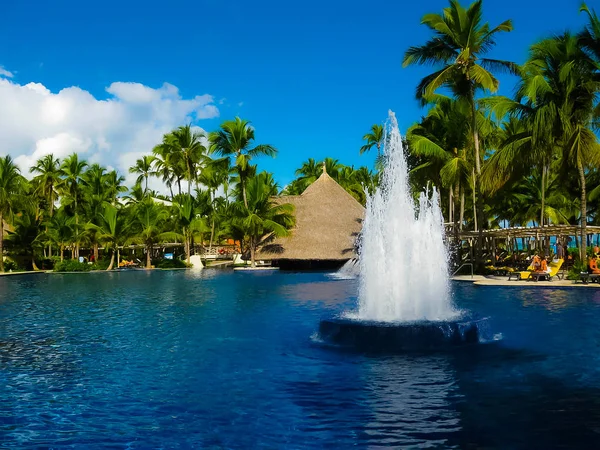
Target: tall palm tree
(47, 170)
(262, 219)
(234, 140)
(374, 139)
(565, 85)
(144, 168)
(460, 40)
(149, 222)
(11, 188)
(72, 170)
(189, 148)
(111, 229)
(61, 230)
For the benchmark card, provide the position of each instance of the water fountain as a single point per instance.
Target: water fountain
(404, 294)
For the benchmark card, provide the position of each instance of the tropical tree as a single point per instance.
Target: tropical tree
(235, 140)
(459, 43)
(26, 237)
(11, 190)
(72, 170)
(112, 230)
(47, 178)
(144, 168)
(61, 230)
(148, 227)
(374, 139)
(263, 218)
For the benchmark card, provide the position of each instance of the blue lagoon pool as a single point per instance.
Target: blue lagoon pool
(228, 360)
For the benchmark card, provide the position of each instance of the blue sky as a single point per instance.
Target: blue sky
(312, 76)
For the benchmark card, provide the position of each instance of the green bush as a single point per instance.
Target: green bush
(103, 263)
(171, 264)
(10, 265)
(575, 272)
(72, 265)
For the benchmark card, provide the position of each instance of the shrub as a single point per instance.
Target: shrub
(171, 264)
(10, 265)
(72, 265)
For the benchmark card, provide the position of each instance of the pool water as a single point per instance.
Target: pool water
(219, 359)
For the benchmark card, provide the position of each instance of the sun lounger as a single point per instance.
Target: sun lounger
(530, 274)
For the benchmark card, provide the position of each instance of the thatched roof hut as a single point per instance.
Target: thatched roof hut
(328, 221)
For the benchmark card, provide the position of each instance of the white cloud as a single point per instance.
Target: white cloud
(5, 73)
(115, 132)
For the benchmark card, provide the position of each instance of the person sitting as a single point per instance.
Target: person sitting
(594, 266)
(544, 265)
(596, 251)
(537, 263)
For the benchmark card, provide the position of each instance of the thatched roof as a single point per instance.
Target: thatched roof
(328, 220)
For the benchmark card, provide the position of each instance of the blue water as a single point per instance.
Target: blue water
(226, 360)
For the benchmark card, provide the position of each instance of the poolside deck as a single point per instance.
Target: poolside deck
(491, 280)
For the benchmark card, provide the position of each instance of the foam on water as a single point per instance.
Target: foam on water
(403, 262)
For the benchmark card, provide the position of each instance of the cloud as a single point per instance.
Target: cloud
(35, 121)
(5, 73)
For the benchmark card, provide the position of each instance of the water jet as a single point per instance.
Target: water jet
(404, 300)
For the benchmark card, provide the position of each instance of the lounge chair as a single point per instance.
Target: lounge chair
(530, 274)
(521, 275)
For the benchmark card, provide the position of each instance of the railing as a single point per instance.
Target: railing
(463, 265)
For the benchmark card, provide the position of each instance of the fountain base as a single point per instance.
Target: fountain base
(402, 337)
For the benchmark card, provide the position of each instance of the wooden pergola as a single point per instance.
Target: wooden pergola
(541, 236)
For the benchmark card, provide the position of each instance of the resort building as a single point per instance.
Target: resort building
(328, 222)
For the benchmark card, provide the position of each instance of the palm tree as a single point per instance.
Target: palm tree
(564, 84)
(47, 178)
(460, 39)
(149, 221)
(11, 185)
(71, 171)
(262, 218)
(27, 236)
(188, 146)
(234, 140)
(112, 230)
(144, 168)
(374, 138)
(61, 230)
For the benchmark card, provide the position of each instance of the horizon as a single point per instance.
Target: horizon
(311, 84)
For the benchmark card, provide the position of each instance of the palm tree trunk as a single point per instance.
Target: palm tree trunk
(96, 251)
(187, 247)
(148, 258)
(583, 246)
(450, 203)
(189, 168)
(243, 186)
(146, 187)
(212, 235)
(474, 203)
(62, 253)
(543, 194)
(119, 256)
(179, 185)
(252, 253)
(1, 242)
(462, 208)
(112, 261)
(35, 268)
(477, 188)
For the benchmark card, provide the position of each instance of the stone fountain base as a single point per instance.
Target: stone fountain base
(401, 337)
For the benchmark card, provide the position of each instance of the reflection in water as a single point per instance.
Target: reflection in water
(409, 401)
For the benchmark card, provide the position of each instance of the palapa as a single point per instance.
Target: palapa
(328, 221)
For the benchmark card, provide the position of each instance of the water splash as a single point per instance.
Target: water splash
(403, 259)
(349, 271)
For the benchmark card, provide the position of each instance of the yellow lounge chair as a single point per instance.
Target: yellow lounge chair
(526, 275)
(521, 275)
(554, 268)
